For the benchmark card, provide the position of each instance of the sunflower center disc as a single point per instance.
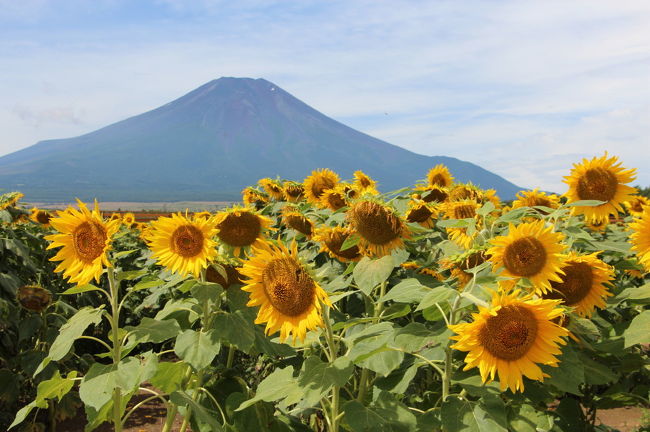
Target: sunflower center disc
(525, 257)
(187, 241)
(576, 284)
(419, 214)
(288, 286)
(240, 230)
(435, 195)
(89, 240)
(510, 334)
(334, 242)
(375, 224)
(300, 224)
(320, 185)
(43, 217)
(336, 201)
(597, 184)
(438, 180)
(464, 212)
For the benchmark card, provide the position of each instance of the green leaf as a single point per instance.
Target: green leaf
(146, 284)
(462, 415)
(152, 330)
(130, 275)
(487, 208)
(596, 373)
(368, 273)
(586, 203)
(235, 329)
(371, 349)
(384, 414)
(569, 374)
(408, 291)
(280, 384)
(436, 295)
(200, 413)
(207, 292)
(639, 330)
(512, 215)
(197, 348)
(134, 370)
(169, 376)
(317, 378)
(455, 223)
(69, 332)
(350, 241)
(122, 254)
(81, 289)
(413, 337)
(55, 387)
(96, 389)
(528, 419)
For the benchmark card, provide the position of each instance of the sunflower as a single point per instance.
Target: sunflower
(465, 191)
(465, 209)
(241, 228)
(84, 239)
(9, 199)
(601, 179)
(640, 238)
(183, 245)
(431, 194)
(331, 240)
(530, 250)
(254, 197)
(292, 218)
(273, 188)
(128, 219)
(203, 214)
(232, 275)
(421, 213)
(40, 216)
(293, 192)
(380, 229)
(598, 225)
(34, 298)
(583, 283)
(536, 198)
(115, 217)
(335, 198)
(439, 176)
(636, 204)
(491, 195)
(460, 264)
(510, 338)
(289, 299)
(317, 183)
(364, 184)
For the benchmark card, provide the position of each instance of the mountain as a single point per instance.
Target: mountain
(211, 143)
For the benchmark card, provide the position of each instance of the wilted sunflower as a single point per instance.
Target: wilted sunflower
(215, 275)
(203, 214)
(34, 298)
(273, 188)
(466, 191)
(335, 198)
(183, 245)
(292, 218)
(364, 184)
(317, 183)
(293, 192)
(431, 194)
(254, 197)
(40, 216)
(491, 195)
(9, 199)
(331, 240)
(510, 338)
(84, 240)
(465, 209)
(640, 238)
(460, 264)
(601, 179)
(536, 198)
(531, 250)
(421, 213)
(289, 299)
(440, 176)
(240, 227)
(380, 229)
(583, 283)
(636, 204)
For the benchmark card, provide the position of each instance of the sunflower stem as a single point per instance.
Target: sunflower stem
(117, 345)
(231, 356)
(334, 413)
(446, 376)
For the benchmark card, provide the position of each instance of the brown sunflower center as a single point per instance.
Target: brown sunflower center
(294, 191)
(375, 224)
(320, 185)
(335, 240)
(43, 217)
(34, 297)
(187, 241)
(240, 230)
(288, 286)
(419, 214)
(435, 195)
(524, 257)
(365, 182)
(299, 223)
(510, 334)
(336, 201)
(473, 260)
(576, 284)
(232, 276)
(438, 180)
(89, 240)
(462, 193)
(465, 211)
(597, 184)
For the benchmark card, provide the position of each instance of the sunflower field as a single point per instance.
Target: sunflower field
(327, 306)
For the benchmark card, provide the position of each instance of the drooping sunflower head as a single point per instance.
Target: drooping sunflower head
(10, 199)
(34, 298)
(294, 219)
(241, 227)
(530, 250)
(459, 265)
(40, 216)
(421, 213)
(440, 176)
(84, 238)
(223, 274)
(491, 195)
(380, 228)
(536, 198)
(331, 240)
(583, 283)
(510, 338)
(317, 183)
(335, 198)
(640, 238)
(203, 214)
(183, 245)
(293, 192)
(465, 209)
(602, 179)
(465, 191)
(290, 300)
(251, 196)
(431, 194)
(636, 204)
(364, 184)
(273, 188)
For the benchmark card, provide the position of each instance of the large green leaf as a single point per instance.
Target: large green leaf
(569, 374)
(235, 328)
(407, 291)
(206, 418)
(370, 349)
(197, 348)
(317, 378)
(55, 387)
(384, 414)
(152, 330)
(437, 295)
(462, 415)
(134, 370)
(639, 330)
(280, 384)
(169, 376)
(368, 273)
(96, 389)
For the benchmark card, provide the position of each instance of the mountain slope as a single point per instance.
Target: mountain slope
(212, 142)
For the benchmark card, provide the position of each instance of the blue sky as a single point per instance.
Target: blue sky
(522, 88)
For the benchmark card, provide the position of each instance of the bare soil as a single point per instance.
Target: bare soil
(623, 419)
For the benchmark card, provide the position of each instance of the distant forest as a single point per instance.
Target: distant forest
(645, 191)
